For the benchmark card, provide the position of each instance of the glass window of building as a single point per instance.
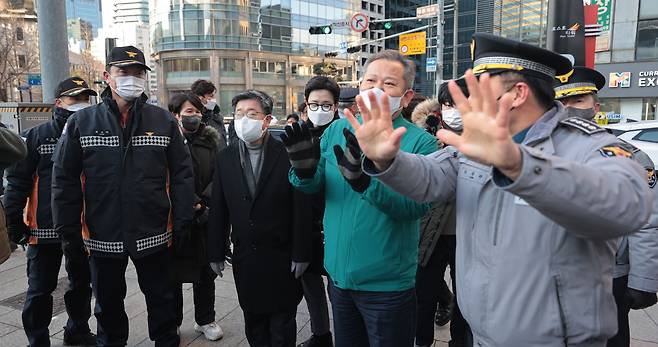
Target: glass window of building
(231, 67)
(648, 9)
(226, 93)
(647, 39)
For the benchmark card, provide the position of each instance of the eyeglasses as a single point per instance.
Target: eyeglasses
(325, 107)
(250, 115)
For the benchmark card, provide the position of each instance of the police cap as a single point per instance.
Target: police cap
(126, 56)
(583, 80)
(494, 54)
(73, 86)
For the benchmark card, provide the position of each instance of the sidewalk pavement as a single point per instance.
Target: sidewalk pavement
(13, 284)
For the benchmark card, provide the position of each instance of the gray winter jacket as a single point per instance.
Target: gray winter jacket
(535, 256)
(637, 254)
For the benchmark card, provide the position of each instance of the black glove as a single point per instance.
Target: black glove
(181, 241)
(303, 149)
(18, 232)
(638, 299)
(349, 163)
(74, 248)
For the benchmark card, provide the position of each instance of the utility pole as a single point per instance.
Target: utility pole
(455, 38)
(53, 45)
(439, 47)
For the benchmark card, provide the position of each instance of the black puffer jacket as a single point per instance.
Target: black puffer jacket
(29, 181)
(138, 181)
(191, 257)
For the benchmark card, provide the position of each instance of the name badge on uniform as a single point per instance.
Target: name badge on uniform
(519, 201)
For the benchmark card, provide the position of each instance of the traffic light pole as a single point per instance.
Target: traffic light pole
(439, 48)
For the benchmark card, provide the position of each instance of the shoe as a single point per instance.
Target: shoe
(443, 315)
(84, 339)
(318, 341)
(212, 331)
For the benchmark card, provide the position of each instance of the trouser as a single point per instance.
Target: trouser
(109, 283)
(623, 337)
(204, 298)
(277, 329)
(43, 263)
(373, 319)
(316, 300)
(429, 281)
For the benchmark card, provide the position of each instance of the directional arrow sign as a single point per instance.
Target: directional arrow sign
(359, 22)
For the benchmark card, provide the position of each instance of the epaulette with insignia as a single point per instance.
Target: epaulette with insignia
(628, 146)
(584, 125)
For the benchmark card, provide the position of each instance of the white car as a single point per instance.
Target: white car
(643, 135)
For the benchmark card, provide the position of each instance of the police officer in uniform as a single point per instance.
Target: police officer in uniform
(541, 198)
(124, 164)
(636, 268)
(29, 182)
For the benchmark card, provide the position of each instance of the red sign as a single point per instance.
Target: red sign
(359, 22)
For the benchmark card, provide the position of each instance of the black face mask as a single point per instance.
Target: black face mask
(191, 123)
(585, 113)
(62, 114)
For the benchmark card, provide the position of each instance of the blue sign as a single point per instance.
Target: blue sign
(34, 80)
(430, 65)
(343, 47)
(23, 88)
(614, 116)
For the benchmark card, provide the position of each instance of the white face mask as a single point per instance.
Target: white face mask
(320, 117)
(248, 130)
(211, 104)
(393, 101)
(129, 87)
(77, 107)
(452, 118)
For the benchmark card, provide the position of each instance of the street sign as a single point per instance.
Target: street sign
(427, 11)
(343, 47)
(23, 88)
(359, 22)
(414, 43)
(34, 80)
(341, 24)
(430, 65)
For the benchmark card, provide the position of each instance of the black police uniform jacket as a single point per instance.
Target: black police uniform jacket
(269, 230)
(133, 185)
(27, 198)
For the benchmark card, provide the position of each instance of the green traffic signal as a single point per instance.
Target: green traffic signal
(326, 30)
(388, 25)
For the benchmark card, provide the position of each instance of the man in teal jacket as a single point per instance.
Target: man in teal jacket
(371, 232)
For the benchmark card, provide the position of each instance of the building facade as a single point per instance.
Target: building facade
(19, 52)
(241, 44)
(472, 16)
(630, 62)
(87, 11)
(525, 21)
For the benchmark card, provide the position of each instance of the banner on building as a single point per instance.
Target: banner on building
(605, 20)
(566, 29)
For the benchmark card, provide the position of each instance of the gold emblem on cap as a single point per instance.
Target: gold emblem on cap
(149, 133)
(565, 78)
(78, 82)
(131, 54)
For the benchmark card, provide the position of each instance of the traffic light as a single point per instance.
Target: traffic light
(353, 49)
(331, 54)
(381, 26)
(320, 30)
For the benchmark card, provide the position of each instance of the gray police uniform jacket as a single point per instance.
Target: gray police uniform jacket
(535, 256)
(637, 254)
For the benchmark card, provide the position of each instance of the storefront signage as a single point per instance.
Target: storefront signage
(630, 80)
